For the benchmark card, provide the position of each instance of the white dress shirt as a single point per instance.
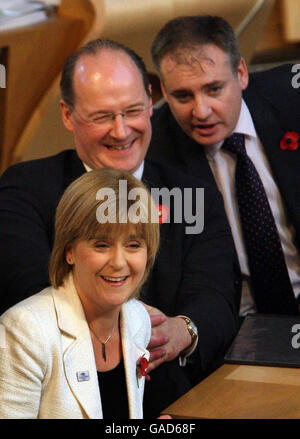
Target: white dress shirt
(223, 167)
(137, 174)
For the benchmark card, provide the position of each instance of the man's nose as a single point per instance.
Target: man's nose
(201, 109)
(120, 129)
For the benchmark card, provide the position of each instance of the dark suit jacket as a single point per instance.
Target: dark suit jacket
(193, 275)
(274, 106)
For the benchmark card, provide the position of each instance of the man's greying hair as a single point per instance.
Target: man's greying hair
(94, 48)
(191, 32)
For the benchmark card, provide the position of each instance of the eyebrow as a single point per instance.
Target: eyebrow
(214, 83)
(136, 237)
(137, 104)
(108, 238)
(208, 85)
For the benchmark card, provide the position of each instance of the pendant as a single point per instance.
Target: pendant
(103, 351)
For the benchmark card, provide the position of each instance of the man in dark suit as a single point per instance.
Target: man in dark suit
(237, 135)
(106, 103)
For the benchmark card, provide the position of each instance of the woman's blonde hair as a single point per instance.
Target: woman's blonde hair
(77, 218)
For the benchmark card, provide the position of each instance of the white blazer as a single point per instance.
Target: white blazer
(45, 345)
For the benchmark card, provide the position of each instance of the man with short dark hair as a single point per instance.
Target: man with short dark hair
(107, 105)
(240, 138)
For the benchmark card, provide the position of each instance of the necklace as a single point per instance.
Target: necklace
(103, 343)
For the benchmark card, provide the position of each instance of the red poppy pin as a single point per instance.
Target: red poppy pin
(143, 367)
(163, 213)
(290, 141)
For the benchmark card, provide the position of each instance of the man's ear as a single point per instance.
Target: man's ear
(150, 100)
(66, 115)
(163, 90)
(242, 73)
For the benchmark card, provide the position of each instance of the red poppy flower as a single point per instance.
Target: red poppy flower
(290, 141)
(163, 213)
(143, 367)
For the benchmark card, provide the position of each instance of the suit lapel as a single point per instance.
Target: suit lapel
(73, 168)
(192, 155)
(285, 164)
(131, 355)
(152, 179)
(79, 360)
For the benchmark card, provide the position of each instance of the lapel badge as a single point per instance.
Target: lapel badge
(142, 368)
(163, 213)
(83, 375)
(290, 141)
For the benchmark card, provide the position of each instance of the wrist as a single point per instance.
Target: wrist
(192, 331)
(185, 340)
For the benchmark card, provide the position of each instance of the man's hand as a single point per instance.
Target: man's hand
(169, 337)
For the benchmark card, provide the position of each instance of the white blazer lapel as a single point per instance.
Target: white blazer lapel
(79, 359)
(81, 374)
(132, 354)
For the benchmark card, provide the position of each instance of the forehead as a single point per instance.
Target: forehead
(107, 76)
(207, 62)
(119, 231)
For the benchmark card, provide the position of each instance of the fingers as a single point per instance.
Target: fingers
(157, 316)
(154, 364)
(155, 355)
(157, 340)
(157, 319)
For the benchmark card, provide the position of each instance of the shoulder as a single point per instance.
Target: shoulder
(276, 89)
(29, 336)
(34, 315)
(135, 307)
(138, 318)
(159, 174)
(39, 183)
(41, 169)
(276, 73)
(273, 82)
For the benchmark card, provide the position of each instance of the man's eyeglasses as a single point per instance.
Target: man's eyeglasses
(107, 118)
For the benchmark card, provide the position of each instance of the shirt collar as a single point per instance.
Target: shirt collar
(244, 126)
(137, 174)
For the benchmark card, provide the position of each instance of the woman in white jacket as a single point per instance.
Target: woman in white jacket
(78, 348)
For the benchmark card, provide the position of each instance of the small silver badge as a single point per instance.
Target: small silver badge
(83, 376)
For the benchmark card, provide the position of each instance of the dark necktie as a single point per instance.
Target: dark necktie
(269, 276)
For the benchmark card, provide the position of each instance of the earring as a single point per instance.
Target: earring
(70, 260)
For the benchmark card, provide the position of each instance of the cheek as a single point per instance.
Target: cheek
(142, 263)
(143, 127)
(138, 263)
(183, 114)
(86, 139)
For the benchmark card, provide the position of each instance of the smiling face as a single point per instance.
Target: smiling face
(107, 272)
(109, 82)
(203, 93)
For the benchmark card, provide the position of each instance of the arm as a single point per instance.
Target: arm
(22, 369)
(24, 237)
(206, 294)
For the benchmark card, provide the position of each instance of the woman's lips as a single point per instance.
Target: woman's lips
(115, 281)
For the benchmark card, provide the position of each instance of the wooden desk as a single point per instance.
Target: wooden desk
(242, 392)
